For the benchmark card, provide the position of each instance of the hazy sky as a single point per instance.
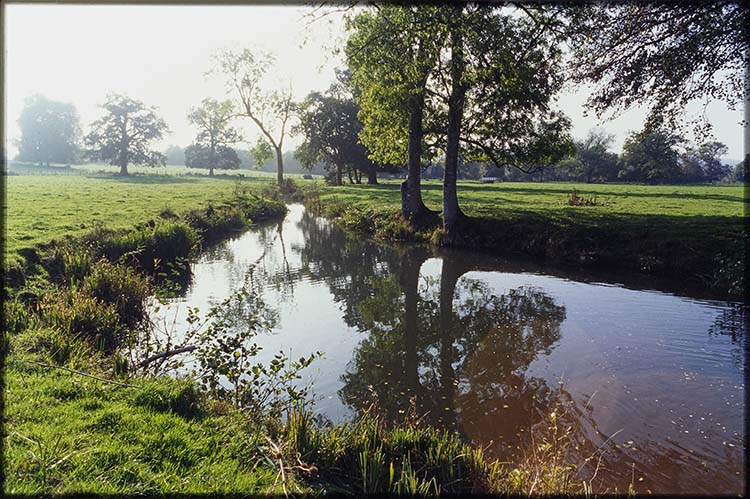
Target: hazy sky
(159, 54)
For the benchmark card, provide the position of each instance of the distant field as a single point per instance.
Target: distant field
(39, 208)
(507, 198)
(164, 171)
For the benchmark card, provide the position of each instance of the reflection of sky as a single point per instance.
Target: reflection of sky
(643, 361)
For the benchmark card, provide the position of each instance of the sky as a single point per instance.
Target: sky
(160, 55)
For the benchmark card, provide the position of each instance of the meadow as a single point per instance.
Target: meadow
(42, 208)
(69, 432)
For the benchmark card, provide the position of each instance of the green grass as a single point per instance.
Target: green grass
(679, 231)
(71, 434)
(40, 208)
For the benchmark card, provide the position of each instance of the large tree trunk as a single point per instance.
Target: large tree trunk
(412, 206)
(372, 176)
(279, 166)
(451, 211)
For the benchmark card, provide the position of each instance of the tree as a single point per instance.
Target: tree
(499, 74)
(215, 134)
(270, 111)
(593, 161)
(662, 54)
(651, 157)
(331, 130)
(201, 156)
(175, 155)
(391, 54)
(738, 173)
(703, 164)
(124, 134)
(50, 131)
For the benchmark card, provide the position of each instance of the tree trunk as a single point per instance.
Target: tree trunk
(357, 176)
(339, 175)
(451, 211)
(412, 206)
(372, 176)
(349, 174)
(212, 160)
(124, 147)
(279, 166)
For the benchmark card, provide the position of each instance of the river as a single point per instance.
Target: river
(650, 380)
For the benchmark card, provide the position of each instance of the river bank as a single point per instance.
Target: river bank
(694, 234)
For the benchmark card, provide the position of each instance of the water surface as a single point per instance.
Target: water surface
(488, 348)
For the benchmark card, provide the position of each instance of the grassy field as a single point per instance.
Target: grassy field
(40, 208)
(501, 200)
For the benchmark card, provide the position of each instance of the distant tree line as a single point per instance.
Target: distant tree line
(654, 157)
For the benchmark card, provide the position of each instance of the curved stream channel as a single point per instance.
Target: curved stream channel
(489, 348)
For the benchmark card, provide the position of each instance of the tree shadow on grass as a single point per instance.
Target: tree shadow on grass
(583, 190)
(144, 179)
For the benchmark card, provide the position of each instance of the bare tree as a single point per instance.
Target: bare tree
(270, 110)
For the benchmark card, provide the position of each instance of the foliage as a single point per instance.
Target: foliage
(512, 71)
(592, 160)
(391, 54)
(663, 55)
(244, 72)
(330, 127)
(225, 358)
(124, 134)
(120, 286)
(212, 144)
(50, 131)
(174, 155)
(261, 152)
(703, 163)
(651, 157)
(199, 156)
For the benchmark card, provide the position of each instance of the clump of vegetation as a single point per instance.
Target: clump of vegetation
(74, 313)
(149, 245)
(121, 286)
(213, 223)
(575, 199)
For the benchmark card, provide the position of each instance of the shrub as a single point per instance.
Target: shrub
(150, 247)
(212, 223)
(120, 286)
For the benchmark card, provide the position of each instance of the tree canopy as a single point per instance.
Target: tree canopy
(651, 156)
(330, 127)
(664, 55)
(201, 156)
(125, 133)
(213, 119)
(271, 111)
(50, 131)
